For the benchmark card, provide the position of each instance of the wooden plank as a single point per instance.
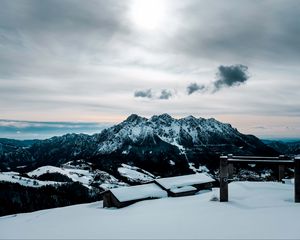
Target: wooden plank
(255, 157)
(258, 157)
(260, 161)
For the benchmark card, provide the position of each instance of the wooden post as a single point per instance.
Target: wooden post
(230, 171)
(281, 172)
(281, 168)
(223, 179)
(230, 167)
(297, 179)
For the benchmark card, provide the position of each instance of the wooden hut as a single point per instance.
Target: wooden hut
(162, 187)
(124, 196)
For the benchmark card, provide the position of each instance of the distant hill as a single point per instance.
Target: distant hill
(20, 143)
(288, 148)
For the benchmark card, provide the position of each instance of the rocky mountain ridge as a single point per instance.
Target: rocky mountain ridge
(147, 143)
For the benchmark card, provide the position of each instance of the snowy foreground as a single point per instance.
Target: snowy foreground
(256, 210)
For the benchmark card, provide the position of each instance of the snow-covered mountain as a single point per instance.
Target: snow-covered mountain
(161, 144)
(174, 142)
(184, 133)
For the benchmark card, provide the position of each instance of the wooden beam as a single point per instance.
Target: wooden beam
(283, 162)
(255, 157)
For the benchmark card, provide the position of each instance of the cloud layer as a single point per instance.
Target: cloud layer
(69, 60)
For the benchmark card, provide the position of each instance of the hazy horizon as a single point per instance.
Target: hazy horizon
(99, 61)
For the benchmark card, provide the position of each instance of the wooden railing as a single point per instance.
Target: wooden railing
(226, 166)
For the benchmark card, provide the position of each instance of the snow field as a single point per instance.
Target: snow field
(256, 210)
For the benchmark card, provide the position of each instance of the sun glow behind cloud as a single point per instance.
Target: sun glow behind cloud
(148, 15)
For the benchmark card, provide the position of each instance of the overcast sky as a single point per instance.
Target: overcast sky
(99, 61)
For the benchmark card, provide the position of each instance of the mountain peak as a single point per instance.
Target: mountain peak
(190, 117)
(163, 117)
(134, 118)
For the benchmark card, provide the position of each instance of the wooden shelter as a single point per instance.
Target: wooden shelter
(124, 196)
(159, 188)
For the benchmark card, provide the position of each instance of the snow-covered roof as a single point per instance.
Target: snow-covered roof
(150, 190)
(187, 180)
(183, 189)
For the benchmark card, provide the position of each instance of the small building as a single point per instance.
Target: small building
(185, 185)
(124, 196)
(159, 188)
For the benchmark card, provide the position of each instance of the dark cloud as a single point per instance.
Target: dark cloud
(57, 31)
(55, 15)
(229, 76)
(143, 93)
(165, 94)
(194, 87)
(248, 31)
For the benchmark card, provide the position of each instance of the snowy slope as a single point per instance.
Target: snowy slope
(77, 175)
(135, 174)
(262, 210)
(85, 177)
(14, 177)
